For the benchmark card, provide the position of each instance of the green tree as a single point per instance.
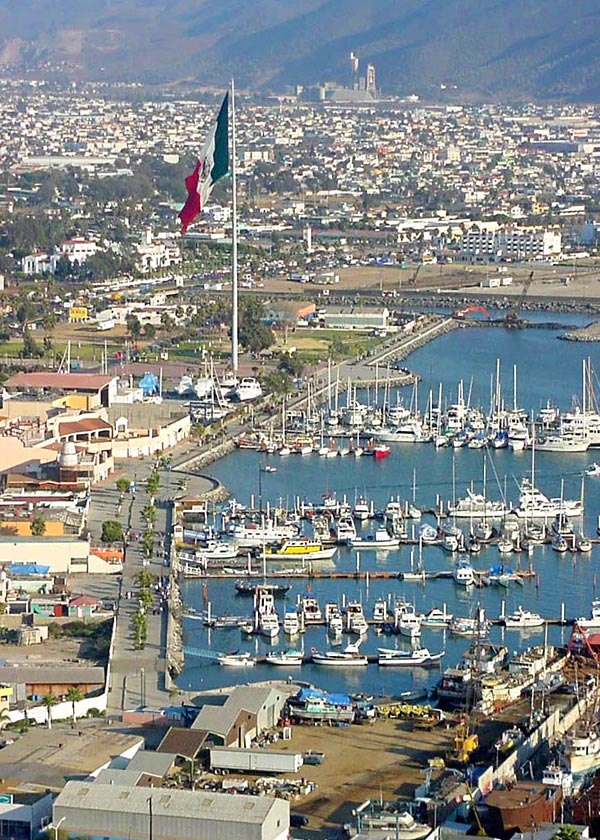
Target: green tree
(123, 484)
(567, 832)
(31, 349)
(112, 531)
(49, 700)
(134, 328)
(153, 483)
(37, 527)
(149, 514)
(254, 334)
(149, 331)
(74, 695)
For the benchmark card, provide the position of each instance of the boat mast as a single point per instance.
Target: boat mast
(234, 235)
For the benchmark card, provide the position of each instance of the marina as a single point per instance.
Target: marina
(420, 477)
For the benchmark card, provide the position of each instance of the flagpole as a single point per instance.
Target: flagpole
(234, 274)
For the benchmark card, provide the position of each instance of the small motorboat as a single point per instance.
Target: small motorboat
(290, 657)
(378, 541)
(237, 659)
(436, 618)
(593, 470)
(418, 658)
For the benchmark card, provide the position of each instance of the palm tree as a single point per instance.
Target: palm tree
(74, 695)
(49, 700)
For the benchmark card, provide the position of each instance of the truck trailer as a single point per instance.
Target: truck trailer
(254, 761)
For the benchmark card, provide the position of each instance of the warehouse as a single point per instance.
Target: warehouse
(138, 813)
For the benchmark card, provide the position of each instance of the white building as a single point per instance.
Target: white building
(488, 242)
(153, 255)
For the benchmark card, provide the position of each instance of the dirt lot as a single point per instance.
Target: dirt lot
(383, 758)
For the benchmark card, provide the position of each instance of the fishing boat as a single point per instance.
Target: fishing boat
(313, 704)
(522, 805)
(291, 621)
(469, 627)
(237, 659)
(418, 658)
(463, 573)
(582, 748)
(379, 541)
(300, 550)
(289, 657)
(522, 619)
(349, 657)
(400, 825)
(554, 775)
(436, 618)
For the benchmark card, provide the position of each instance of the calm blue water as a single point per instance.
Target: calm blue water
(548, 369)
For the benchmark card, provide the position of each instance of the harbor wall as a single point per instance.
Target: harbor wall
(551, 729)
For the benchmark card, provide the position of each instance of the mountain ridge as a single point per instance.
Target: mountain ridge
(498, 48)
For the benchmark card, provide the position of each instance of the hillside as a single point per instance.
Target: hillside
(524, 48)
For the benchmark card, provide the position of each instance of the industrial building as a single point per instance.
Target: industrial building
(355, 319)
(138, 813)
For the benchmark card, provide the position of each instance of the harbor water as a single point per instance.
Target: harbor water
(548, 369)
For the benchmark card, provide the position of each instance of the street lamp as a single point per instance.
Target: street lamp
(57, 826)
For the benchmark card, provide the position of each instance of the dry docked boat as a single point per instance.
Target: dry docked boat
(418, 658)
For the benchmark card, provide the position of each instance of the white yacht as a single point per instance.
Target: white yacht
(476, 506)
(291, 621)
(311, 612)
(419, 658)
(593, 622)
(361, 509)
(380, 611)
(248, 388)
(378, 541)
(355, 618)
(350, 656)
(407, 621)
(265, 615)
(409, 431)
(335, 620)
(463, 573)
(345, 530)
(522, 619)
(436, 618)
(533, 504)
(291, 658)
(252, 535)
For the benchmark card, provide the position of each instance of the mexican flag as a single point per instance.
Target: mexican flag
(212, 164)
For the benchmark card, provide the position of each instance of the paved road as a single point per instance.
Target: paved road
(137, 677)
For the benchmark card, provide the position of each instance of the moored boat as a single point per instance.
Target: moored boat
(418, 658)
(349, 657)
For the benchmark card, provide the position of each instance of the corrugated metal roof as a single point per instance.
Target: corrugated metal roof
(154, 763)
(187, 804)
(58, 675)
(60, 381)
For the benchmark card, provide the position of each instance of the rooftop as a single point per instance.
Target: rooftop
(60, 381)
(184, 804)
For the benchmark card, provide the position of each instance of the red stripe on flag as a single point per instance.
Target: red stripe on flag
(191, 208)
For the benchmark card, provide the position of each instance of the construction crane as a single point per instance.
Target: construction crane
(412, 281)
(513, 317)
